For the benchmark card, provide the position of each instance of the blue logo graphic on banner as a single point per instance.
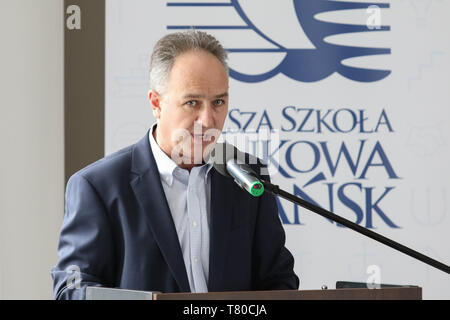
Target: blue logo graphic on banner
(308, 65)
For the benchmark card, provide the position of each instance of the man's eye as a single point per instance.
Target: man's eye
(219, 102)
(191, 103)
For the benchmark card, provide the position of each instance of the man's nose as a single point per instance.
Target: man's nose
(206, 117)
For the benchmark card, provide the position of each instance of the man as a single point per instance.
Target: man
(157, 216)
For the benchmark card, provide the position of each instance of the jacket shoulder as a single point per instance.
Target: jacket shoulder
(112, 167)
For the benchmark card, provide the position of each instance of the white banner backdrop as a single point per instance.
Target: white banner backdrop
(356, 100)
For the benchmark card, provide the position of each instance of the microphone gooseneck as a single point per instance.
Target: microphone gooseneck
(230, 162)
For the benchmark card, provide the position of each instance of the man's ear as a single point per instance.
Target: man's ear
(155, 102)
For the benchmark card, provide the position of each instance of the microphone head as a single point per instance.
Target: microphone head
(222, 152)
(232, 163)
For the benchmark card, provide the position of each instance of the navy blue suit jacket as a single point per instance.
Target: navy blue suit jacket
(118, 232)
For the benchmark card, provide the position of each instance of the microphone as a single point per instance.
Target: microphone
(245, 177)
(230, 162)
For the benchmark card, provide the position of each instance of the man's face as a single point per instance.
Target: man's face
(192, 111)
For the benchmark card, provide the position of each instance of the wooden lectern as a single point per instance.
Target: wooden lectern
(398, 293)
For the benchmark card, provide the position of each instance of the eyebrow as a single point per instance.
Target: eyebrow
(197, 96)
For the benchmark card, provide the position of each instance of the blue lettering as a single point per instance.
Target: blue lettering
(330, 195)
(321, 120)
(300, 193)
(343, 150)
(314, 148)
(233, 119)
(352, 205)
(267, 123)
(385, 122)
(300, 128)
(384, 162)
(335, 122)
(252, 115)
(370, 206)
(270, 158)
(289, 118)
(362, 119)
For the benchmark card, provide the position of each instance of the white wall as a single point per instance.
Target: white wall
(31, 145)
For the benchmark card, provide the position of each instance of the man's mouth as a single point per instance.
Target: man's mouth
(201, 137)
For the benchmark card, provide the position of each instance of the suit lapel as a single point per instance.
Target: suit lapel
(221, 209)
(156, 213)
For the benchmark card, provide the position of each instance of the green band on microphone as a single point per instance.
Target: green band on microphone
(256, 189)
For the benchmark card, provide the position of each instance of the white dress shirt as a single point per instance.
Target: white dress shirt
(188, 196)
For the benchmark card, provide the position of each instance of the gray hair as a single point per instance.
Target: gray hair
(169, 47)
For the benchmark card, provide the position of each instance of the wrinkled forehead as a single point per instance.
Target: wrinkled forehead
(198, 71)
